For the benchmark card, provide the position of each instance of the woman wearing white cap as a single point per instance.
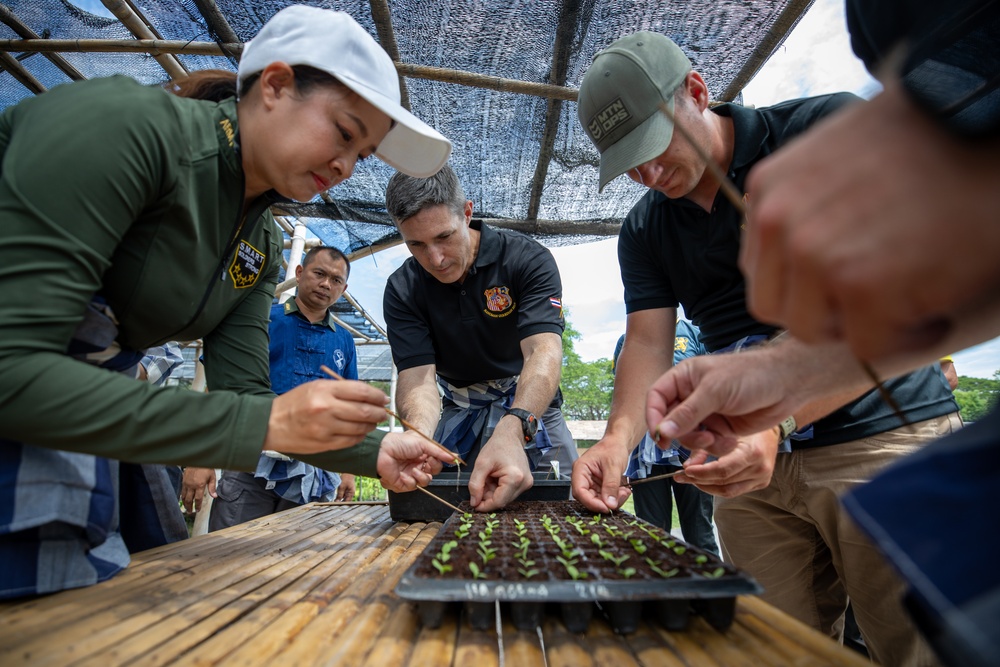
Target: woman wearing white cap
(131, 217)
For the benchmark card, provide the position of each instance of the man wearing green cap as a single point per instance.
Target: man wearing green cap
(778, 513)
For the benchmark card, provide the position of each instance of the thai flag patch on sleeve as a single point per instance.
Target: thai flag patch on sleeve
(556, 303)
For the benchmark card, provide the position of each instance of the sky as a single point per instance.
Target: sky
(815, 59)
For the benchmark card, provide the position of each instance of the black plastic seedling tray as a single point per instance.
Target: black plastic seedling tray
(668, 581)
(454, 488)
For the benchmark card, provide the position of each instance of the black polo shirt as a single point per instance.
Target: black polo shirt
(472, 331)
(674, 252)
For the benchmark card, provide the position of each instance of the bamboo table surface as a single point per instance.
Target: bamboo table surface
(314, 586)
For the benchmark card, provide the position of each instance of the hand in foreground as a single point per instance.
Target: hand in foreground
(747, 467)
(501, 472)
(324, 415)
(597, 477)
(705, 401)
(345, 492)
(406, 460)
(851, 225)
(193, 488)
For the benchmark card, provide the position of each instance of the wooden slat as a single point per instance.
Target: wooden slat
(395, 641)
(99, 632)
(521, 647)
(436, 647)
(810, 641)
(609, 648)
(180, 630)
(562, 648)
(651, 650)
(315, 586)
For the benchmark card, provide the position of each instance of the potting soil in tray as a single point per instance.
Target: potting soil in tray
(558, 555)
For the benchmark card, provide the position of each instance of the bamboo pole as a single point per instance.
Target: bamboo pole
(124, 12)
(382, 17)
(217, 23)
(157, 46)
(15, 24)
(17, 70)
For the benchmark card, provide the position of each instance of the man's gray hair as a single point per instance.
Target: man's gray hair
(405, 196)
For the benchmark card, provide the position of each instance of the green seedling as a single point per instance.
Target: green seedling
(714, 574)
(486, 554)
(567, 562)
(665, 574)
(476, 572)
(527, 574)
(596, 539)
(571, 553)
(522, 543)
(617, 560)
(679, 550)
(444, 555)
(574, 573)
(701, 559)
(440, 567)
(628, 572)
(638, 545)
(596, 520)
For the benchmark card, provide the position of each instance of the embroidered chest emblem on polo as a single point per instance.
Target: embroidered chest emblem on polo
(246, 266)
(339, 360)
(607, 119)
(499, 302)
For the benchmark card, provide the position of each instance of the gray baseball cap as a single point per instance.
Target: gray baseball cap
(619, 100)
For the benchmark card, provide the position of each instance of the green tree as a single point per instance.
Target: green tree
(586, 385)
(976, 397)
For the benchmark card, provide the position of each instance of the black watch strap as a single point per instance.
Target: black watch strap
(529, 423)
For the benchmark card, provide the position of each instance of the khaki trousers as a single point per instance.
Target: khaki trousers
(795, 538)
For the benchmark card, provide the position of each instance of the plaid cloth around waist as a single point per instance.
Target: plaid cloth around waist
(470, 414)
(62, 524)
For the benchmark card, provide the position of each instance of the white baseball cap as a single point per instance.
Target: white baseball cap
(334, 43)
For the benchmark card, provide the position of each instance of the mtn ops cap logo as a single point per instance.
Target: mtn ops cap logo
(607, 119)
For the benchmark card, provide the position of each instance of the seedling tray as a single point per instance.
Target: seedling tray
(454, 488)
(572, 560)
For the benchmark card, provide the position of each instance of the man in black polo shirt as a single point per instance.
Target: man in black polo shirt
(778, 514)
(476, 313)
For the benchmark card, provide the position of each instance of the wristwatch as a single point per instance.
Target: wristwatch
(786, 428)
(529, 423)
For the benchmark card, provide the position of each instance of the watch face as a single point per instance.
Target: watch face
(529, 423)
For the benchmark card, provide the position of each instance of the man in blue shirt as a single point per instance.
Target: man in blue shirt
(304, 337)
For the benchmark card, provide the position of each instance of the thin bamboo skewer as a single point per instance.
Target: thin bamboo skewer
(633, 482)
(402, 421)
(729, 189)
(438, 498)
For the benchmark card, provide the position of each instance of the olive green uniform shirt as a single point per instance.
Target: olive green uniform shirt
(111, 187)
